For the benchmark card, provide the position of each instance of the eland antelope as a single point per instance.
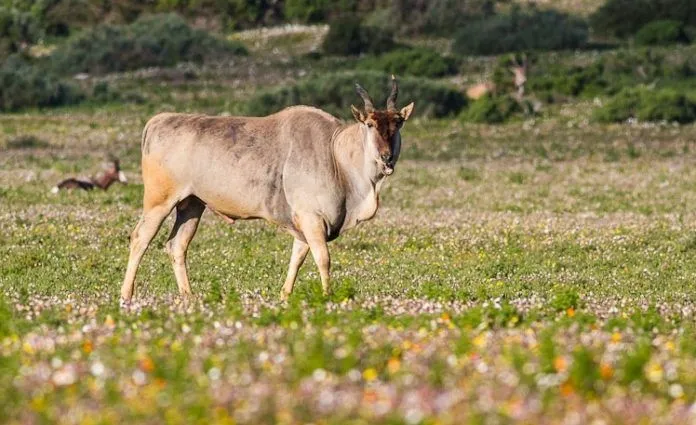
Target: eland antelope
(111, 175)
(301, 169)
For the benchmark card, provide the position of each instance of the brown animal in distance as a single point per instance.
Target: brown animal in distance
(519, 71)
(479, 90)
(111, 175)
(301, 169)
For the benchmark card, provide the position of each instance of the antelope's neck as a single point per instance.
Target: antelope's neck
(359, 175)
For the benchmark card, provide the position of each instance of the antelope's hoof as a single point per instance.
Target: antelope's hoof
(124, 303)
(284, 295)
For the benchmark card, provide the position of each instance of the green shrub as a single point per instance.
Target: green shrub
(336, 92)
(649, 105)
(611, 72)
(29, 21)
(561, 82)
(418, 62)
(312, 11)
(623, 18)
(667, 105)
(521, 30)
(17, 28)
(231, 14)
(347, 36)
(61, 17)
(661, 33)
(621, 107)
(306, 11)
(493, 109)
(23, 85)
(158, 40)
(439, 17)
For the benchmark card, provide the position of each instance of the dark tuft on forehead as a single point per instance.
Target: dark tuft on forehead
(386, 122)
(384, 115)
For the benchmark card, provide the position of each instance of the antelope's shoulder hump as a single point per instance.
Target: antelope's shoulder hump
(301, 112)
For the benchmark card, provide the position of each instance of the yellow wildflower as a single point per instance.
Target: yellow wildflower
(654, 372)
(369, 374)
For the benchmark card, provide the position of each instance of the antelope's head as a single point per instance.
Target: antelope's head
(381, 128)
(113, 171)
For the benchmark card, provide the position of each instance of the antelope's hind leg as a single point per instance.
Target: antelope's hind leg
(144, 232)
(188, 215)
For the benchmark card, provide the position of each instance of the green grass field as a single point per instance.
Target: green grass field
(537, 272)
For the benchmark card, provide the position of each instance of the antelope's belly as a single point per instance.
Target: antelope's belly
(242, 198)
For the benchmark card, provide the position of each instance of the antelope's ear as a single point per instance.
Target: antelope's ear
(406, 111)
(359, 116)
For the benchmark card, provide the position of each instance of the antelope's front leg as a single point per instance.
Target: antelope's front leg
(299, 253)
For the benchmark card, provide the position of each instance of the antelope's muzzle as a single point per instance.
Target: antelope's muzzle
(387, 164)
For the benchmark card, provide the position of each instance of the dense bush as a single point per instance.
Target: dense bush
(561, 82)
(336, 92)
(229, 14)
(347, 36)
(158, 40)
(440, 17)
(624, 18)
(17, 29)
(312, 11)
(521, 30)
(419, 62)
(493, 109)
(613, 71)
(306, 11)
(661, 33)
(32, 20)
(649, 105)
(23, 85)
(60, 17)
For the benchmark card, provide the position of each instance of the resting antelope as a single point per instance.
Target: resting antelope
(301, 169)
(111, 175)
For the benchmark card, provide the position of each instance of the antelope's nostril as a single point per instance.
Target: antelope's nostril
(386, 158)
